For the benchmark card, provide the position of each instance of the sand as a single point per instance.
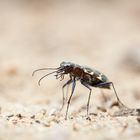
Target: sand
(104, 35)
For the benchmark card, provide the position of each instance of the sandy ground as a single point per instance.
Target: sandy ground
(103, 34)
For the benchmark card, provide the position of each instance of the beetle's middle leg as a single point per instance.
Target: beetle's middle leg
(90, 90)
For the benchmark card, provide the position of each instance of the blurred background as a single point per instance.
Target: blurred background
(103, 34)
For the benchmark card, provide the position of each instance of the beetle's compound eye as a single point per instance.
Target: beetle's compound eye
(65, 64)
(62, 64)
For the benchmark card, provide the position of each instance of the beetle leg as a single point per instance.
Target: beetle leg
(73, 88)
(90, 90)
(111, 83)
(63, 97)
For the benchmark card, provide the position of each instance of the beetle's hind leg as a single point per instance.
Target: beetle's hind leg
(118, 99)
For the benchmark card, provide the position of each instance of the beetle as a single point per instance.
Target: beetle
(87, 76)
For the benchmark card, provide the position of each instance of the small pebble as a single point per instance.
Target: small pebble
(138, 119)
(37, 121)
(53, 111)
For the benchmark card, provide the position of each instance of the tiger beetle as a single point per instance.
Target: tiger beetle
(87, 76)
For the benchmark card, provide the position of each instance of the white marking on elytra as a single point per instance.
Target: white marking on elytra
(91, 73)
(85, 71)
(100, 77)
